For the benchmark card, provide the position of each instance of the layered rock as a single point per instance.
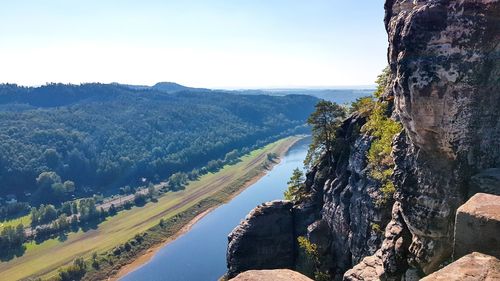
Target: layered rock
(444, 58)
(445, 85)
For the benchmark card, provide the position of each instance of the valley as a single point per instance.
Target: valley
(236, 140)
(211, 189)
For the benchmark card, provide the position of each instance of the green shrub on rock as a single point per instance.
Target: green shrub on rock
(383, 129)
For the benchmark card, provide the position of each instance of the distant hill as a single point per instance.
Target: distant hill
(171, 87)
(340, 96)
(168, 87)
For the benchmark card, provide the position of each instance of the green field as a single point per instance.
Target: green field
(44, 259)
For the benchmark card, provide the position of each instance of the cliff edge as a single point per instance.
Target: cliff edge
(444, 88)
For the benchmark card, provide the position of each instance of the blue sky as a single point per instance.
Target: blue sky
(203, 43)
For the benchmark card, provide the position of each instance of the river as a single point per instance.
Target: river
(200, 254)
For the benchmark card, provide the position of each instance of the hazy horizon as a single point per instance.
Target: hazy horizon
(272, 88)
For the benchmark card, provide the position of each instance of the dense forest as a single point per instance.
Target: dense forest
(58, 141)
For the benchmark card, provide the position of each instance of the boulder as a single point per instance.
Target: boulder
(477, 226)
(369, 269)
(472, 267)
(271, 275)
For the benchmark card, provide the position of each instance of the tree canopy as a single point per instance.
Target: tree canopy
(325, 121)
(59, 140)
(295, 190)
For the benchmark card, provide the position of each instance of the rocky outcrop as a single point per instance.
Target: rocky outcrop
(445, 88)
(390, 258)
(264, 240)
(339, 215)
(477, 226)
(271, 275)
(370, 268)
(444, 59)
(472, 267)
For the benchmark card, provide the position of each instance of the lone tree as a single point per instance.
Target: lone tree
(295, 190)
(324, 121)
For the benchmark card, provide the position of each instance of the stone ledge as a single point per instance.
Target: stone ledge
(271, 275)
(472, 267)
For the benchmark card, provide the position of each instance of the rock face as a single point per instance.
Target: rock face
(477, 226)
(444, 58)
(472, 267)
(271, 275)
(349, 225)
(266, 234)
(339, 215)
(445, 88)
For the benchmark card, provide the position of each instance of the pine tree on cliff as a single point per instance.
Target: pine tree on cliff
(295, 186)
(324, 121)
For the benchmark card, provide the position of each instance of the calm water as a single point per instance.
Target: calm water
(200, 254)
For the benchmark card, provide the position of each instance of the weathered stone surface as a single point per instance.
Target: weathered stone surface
(339, 214)
(369, 269)
(444, 58)
(390, 260)
(477, 226)
(348, 222)
(445, 73)
(472, 267)
(271, 275)
(264, 240)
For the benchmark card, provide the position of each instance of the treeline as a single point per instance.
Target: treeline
(13, 209)
(48, 221)
(60, 141)
(178, 180)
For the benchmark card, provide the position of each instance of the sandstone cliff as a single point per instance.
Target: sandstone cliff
(444, 59)
(266, 233)
(446, 86)
(339, 215)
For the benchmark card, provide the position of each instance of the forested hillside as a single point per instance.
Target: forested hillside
(99, 137)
